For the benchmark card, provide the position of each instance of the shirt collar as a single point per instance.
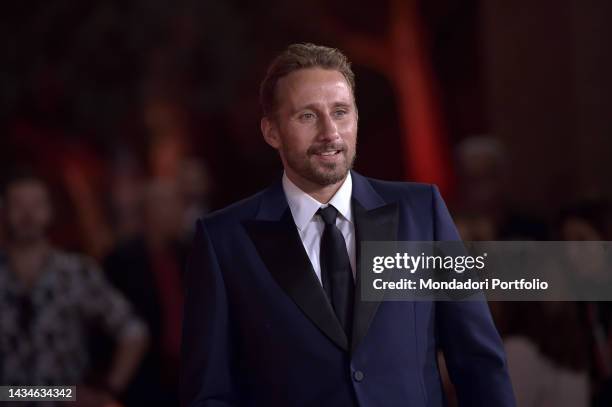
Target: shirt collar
(303, 206)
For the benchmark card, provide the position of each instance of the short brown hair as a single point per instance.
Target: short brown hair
(302, 56)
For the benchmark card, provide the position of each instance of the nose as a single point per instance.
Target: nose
(328, 128)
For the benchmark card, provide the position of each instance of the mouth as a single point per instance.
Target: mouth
(328, 155)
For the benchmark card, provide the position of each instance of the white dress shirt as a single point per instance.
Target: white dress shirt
(310, 225)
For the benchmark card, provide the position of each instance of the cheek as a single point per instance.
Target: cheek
(45, 216)
(16, 212)
(12, 218)
(350, 138)
(296, 140)
(349, 130)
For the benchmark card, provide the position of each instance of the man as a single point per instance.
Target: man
(51, 300)
(147, 271)
(272, 318)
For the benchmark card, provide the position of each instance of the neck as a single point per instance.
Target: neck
(27, 259)
(29, 248)
(322, 194)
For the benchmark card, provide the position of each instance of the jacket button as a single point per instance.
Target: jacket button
(358, 375)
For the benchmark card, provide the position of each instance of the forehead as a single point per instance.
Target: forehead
(313, 86)
(579, 224)
(28, 189)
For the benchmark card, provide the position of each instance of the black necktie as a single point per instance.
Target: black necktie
(336, 273)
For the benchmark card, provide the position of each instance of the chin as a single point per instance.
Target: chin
(325, 178)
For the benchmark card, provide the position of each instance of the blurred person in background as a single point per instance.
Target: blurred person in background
(125, 200)
(545, 343)
(482, 165)
(148, 271)
(2, 232)
(195, 186)
(53, 304)
(474, 227)
(589, 220)
(546, 350)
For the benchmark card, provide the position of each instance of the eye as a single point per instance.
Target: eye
(307, 116)
(340, 113)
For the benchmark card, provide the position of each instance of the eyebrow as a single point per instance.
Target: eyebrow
(313, 106)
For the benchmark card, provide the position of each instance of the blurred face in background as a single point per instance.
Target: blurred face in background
(194, 181)
(28, 212)
(315, 126)
(576, 229)
(163, 210)
(589, 260)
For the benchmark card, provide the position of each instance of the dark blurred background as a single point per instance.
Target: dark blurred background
(143, 115)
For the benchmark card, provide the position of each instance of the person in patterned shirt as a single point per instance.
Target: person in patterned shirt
(52, 302)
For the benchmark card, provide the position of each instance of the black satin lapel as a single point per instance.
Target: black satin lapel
(281, 249)
(379, 224)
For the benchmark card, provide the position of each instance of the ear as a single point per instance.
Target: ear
(270, 132)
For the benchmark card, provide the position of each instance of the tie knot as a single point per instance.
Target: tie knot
(329, 215)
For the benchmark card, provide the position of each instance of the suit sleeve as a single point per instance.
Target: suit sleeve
(470, 342)
(207, 360)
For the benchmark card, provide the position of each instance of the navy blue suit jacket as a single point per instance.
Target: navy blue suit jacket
(259, 330)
